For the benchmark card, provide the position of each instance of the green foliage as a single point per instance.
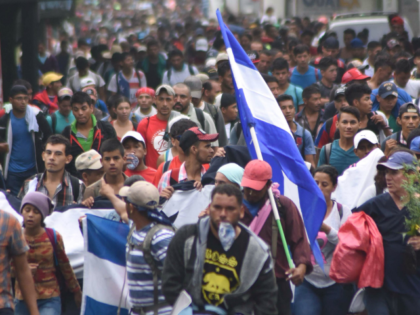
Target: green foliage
(412, 187)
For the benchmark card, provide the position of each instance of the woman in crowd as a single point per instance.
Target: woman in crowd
(125, 119)
(46, 257)
(318, 294)
(230, 173)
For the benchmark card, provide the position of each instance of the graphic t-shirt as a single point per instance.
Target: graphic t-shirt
(153, 129)
(148, 174)
(222, 269)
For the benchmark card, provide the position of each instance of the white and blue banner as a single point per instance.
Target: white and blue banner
(104, 267)
(258, 108)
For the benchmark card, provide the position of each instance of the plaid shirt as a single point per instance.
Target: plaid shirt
(12, 244)
(63, 195)
(165, 181)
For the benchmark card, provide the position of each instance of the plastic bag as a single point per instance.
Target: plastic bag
(359, 255)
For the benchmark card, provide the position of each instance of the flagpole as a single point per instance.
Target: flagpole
(272, 201)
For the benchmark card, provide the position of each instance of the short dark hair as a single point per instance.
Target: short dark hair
(112, 144)
(309, 90)
(82, 63)
(417, 53)
(284, 97)
(179, 127)
(223, 68)
(373, 44)
(80, 98)
(356, 92)
(280, 64)
(331, 171)
(403, 66)
(307, 33)
(229, 190)
(383, 62)
(174, 53)
(59, 139)
(300, 49)
(327, 62)
(152, 43)
(24, 83)
(350, 31)
(349, 110)
(402, 54)
(269, 78)
(125, 55)
(207, 86)
(267, 53)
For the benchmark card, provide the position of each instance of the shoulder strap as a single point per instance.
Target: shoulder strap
(238, 130)
(340, 210)
(166, 167)
(169, 74)
(174, 177)
(53, 122)
(327, 152)
(52, 236)
(316, 74)
(191, 70)
(200, 117)
(213, 112)
(75, 187)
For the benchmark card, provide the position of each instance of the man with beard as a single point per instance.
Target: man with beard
(184, 105)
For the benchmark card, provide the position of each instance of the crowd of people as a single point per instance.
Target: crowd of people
(134, 107)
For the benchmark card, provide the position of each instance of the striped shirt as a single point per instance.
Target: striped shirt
(139, 273)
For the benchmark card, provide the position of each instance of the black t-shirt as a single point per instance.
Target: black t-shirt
(325, 90)
(152, 76)
(222, 269)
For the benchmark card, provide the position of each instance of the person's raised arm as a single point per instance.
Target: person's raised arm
(119, 205)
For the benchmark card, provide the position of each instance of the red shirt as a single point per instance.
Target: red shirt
(148, 174)
(175, 163)
(153, 129)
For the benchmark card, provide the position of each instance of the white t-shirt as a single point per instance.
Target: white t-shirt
(412, 88)
(178, 76)
(369, 71)
(228, 128)
(133, 82)
(152, 113)
(74, 81)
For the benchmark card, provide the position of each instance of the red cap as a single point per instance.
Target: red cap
(145, 90)
(353, 74)
(397, 20)
(256, 174)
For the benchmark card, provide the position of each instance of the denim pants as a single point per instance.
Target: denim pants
(50, 306)
(15, 181)
(332, 300)
(384, 302)
(6, 311)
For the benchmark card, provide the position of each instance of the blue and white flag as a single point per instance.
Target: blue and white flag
(257, 107)
(104, 267)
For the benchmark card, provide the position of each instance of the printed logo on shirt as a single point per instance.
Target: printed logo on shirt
(220, 277)
(159, 144)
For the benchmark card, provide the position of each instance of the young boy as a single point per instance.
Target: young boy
(303, 74)
(134, 143)
(387, 98)
(328, 67)
(145, 97)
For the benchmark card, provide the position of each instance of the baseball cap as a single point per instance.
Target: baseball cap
(203, 77)
(408, 108)
(253, 55)
(195, 86)
(357, 43)
(201, 44)
(141, 194)
(393, 42)
(352, 75)
(331, 43)
(415, 145)
(365, 135)
(65, 92)
(256, 174)
(87, 82)
(340, 91)
(89, 160)
(396, 20)
(386, 89)
(222, 57)
(212, 73)
(210, 62)
(50, 77)
(397, 160)
(193, 135)
(165, 88)
(135, 135)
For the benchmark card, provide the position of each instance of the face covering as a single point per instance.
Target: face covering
(226, 235)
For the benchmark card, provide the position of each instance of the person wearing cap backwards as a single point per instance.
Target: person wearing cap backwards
(47, 99)
(62, 188)
(153, 65)
(150, 234)
(145, 98)
(153, 129)
(86, 132)
(256, 182)
(89, 166)
(83, 72)
(233, 271)
(373, 49)
(408, 119)
(179, 70)
(23, 132)
(196, 145)
(400, 293)
(46, 254)
(339, 100)
(64, 116)
(134, 144)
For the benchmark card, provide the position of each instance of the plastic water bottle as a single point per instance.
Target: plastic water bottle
(134, 161)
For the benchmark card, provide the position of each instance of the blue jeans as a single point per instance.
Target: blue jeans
(15, 180)
(384, 302)
(50, 306)
(332, 300)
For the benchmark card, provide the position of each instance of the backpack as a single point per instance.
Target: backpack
(213, 112)
(200, 117)
(145, 247)
(166, 166)
(74, 185)
(190, 69)
(327, 152)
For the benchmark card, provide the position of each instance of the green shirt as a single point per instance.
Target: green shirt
(393, 124)
(86, 143)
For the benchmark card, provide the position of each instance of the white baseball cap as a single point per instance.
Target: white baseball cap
(365, 135)
(87, 82)
(201, 44)
(135, 135)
